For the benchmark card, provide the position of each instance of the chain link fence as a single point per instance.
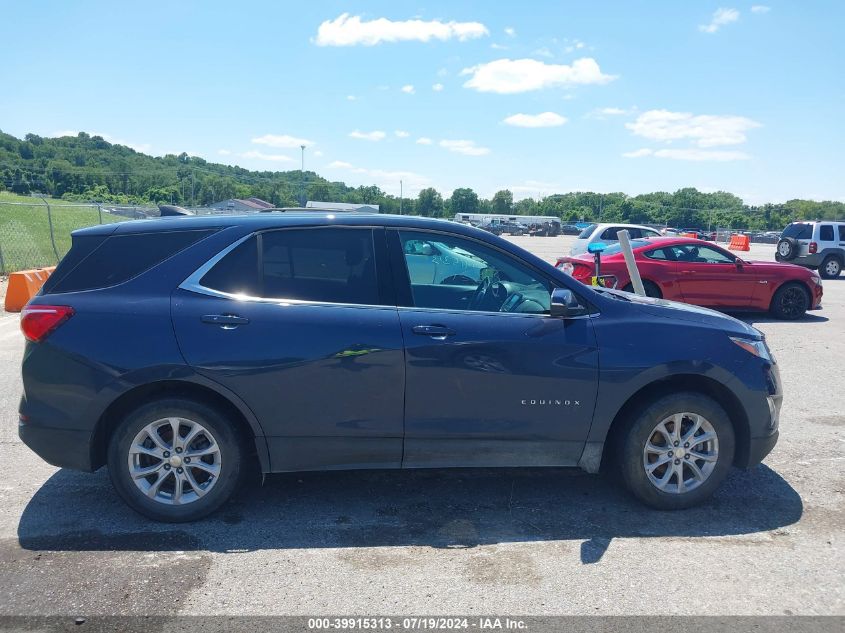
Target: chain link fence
(37, 234)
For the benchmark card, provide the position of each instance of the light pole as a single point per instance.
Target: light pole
(400, 197)
(302, 178)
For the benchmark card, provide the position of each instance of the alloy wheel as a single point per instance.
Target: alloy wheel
(681, 453)
(793, 302)
(174, 461)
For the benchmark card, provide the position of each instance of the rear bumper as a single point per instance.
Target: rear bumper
(60, 447)
(813, 260)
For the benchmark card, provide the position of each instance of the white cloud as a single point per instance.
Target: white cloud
(375, 135)
(760, 8)
(339, 164)
(534, 188)
(612, 111)
(510, 31)
(704, 130)
(318, 154)
(691, 153)
(402, 134)
(639, 153)
(283, 140)
(499, 47)
(278, 158)
(468, 148)
(424, 140)
(544, 119)
(437, 87)
(347, 30)
(543, 52)
(509, 76)
(408, 89)
(720, 18)
(351, 98)
(442, 72)
(223, 152)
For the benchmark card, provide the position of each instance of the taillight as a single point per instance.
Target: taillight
(37, 321)
(813, 247)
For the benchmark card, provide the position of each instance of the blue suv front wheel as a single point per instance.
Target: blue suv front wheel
(675, 452)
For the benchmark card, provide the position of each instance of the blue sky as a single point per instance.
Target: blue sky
(538, 97)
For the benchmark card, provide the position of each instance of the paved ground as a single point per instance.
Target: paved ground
(472, 542)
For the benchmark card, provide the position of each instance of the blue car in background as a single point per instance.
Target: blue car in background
(181, 352)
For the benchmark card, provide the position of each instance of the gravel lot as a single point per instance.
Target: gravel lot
(461, 542)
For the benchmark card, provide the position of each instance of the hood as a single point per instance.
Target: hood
(686, 312)
(778, 266)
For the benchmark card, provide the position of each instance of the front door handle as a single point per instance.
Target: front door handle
(226, 321)
(434, 331)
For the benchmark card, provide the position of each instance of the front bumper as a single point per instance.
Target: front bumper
(60, 447)
(760, 447)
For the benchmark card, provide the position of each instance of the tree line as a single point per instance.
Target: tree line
(88, 168)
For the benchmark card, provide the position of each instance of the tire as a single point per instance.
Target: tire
(215, 444)
(642, 431)
(787, 248)
(651, 289)
(831, 267)
(790, 302)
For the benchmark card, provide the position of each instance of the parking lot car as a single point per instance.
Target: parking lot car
(505, 228)
(183, 352)
(606, 233)
(701, 273)
(816, 245)
(569, 229)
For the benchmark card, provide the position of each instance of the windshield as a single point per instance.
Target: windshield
(587, 232)
(799, 231)
(617, 248)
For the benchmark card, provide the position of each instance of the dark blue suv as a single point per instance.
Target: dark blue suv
(182, 351)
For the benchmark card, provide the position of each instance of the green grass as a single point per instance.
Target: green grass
(25, 229)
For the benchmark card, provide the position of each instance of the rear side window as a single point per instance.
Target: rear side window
(119, 258)
(799, 231)
(842, 232)
(826, 233)
(326, 265)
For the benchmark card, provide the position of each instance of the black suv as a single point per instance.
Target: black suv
(183, 351)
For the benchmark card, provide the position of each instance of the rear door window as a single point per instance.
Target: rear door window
(826, 233)
(324, 265)
(842, 232)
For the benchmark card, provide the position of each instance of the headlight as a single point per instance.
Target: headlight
(758, 348)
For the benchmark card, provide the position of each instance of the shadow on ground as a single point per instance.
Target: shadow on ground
(436, 508)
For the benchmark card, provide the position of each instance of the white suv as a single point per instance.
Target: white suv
(606, 233)
(816, 245)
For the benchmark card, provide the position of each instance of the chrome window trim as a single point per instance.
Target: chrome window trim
(192, 284)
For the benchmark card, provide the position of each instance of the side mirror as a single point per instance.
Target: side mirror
(565, 304)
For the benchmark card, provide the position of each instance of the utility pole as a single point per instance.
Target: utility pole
(192, 188)
(400, 197)
(302, 178)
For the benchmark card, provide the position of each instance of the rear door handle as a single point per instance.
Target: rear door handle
(434, 331)
(226, 321)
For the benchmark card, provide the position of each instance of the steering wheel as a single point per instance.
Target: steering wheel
(488, 288)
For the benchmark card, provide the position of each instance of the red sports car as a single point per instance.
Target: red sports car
(701, 273)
